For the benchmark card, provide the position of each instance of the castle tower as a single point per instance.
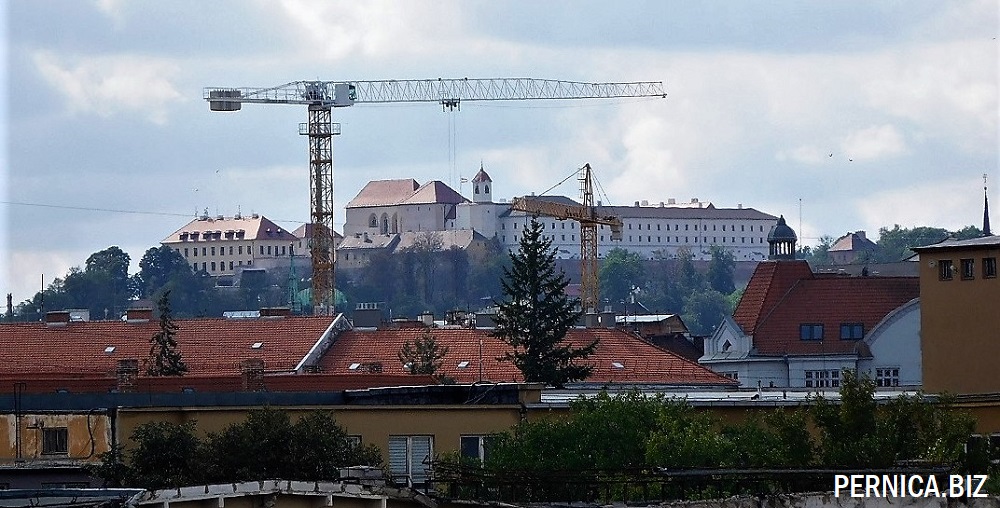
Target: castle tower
(782, 241)
(482, 187)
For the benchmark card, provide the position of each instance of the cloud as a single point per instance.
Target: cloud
(950, 203)
(113, 84)
(874, 143)
(112, 9)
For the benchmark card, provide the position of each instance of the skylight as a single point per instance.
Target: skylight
(257, 345)
(463, 365)
(618, 365)
(109, 349)
(354, 366)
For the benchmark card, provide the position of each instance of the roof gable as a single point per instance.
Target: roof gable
(770, 281)
(384, 193)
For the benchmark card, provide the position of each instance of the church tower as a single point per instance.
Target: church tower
(482, 187)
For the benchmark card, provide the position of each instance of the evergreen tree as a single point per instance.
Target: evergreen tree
(536, 314)
(164, 359)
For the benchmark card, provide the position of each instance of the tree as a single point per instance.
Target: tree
(819, 255)
(164, 359)
(620, 271)
(704, 310)
(423, 356)
(894, 244)
(536, 314)
(721, 270)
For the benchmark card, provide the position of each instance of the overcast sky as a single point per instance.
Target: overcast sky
(849, 114)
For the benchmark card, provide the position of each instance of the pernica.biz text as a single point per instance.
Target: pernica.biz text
(909, 485)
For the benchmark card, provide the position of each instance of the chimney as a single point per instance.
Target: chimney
(252, 372)
(608, 318)
(139, 315)
(57, 318)
(591, 320)
(861, 234)
(275, 312)
(671, 201)
(427, 318)
(126, 373)
(636, 203)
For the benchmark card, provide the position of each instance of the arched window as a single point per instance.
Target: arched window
(486, 190)
(372, 221)
(385, 224)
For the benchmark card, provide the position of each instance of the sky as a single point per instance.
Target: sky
(839, 115)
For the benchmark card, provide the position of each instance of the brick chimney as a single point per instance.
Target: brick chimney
(275, 311)
(139, 315)
(126, 373)
(57, 318)
(252, 372)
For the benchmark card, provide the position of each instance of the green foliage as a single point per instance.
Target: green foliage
(424, 356)
(721, 270)
(266, 445)
(704, 310)
(164, 359)
(536, 314)
(894, 244)
(621, 270)
(819, 255)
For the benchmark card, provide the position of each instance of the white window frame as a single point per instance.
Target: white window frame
(410, 457)
(886, 377)
(481, 445)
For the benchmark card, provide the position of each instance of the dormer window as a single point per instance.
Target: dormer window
(811, 331)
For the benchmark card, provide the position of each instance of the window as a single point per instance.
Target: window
(811, 331)
(731, 374)
(410, 456)
(822, 378)
(240, 250)
(213, 266)
(185, 252)
(213, 251)
(261, 250)
(204, 251)
(968, 269)
(204, 267)
(476, 447)
(354, 442)
(230, 250)
(852, 331)
(230, 266)
(55, 441)
(989, 268)
(945, 269)
(887, 376)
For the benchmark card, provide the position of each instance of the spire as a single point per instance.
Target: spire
(986, 209)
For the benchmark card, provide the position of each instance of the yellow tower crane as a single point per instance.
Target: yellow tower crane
(321, 97)
(589, 218)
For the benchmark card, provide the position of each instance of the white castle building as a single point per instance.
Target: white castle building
(386, 209)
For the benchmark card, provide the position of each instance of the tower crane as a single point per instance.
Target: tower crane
(589, 218)
(320, 97)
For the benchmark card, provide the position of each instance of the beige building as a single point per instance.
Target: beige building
(223, 246)
(959, 322)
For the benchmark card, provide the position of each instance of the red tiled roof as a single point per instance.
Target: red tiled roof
(769, 283)
(640, 361)
(255, 227)
(384, 192)
(208, 346)
(830, 301)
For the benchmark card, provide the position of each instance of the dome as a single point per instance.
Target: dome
(781, 232)
(781, 240)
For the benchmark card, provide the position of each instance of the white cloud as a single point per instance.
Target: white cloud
(27, 268)
(950, 203)
(873, 143)
(112, 9)
(113, 84)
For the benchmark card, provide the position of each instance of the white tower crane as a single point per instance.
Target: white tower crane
(322, 96)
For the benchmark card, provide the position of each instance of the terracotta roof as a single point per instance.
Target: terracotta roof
(384, 192)
(482, 176)
(852, 242)
(790, 300)
(305, 231)
(620, 357)
(208, 346)
(769, 283)
(254, 227)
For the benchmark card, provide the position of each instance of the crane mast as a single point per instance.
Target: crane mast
(586, 214)
(322, 96)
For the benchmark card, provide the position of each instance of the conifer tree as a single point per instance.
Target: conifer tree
(536, 314)
(423, 356)
(164, 359)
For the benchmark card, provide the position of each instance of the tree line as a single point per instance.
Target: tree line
(893, 244)
(629, 440)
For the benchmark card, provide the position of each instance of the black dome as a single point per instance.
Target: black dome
(781, 232)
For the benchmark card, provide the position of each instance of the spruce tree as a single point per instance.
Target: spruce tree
(536, 314)
(164, 359)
